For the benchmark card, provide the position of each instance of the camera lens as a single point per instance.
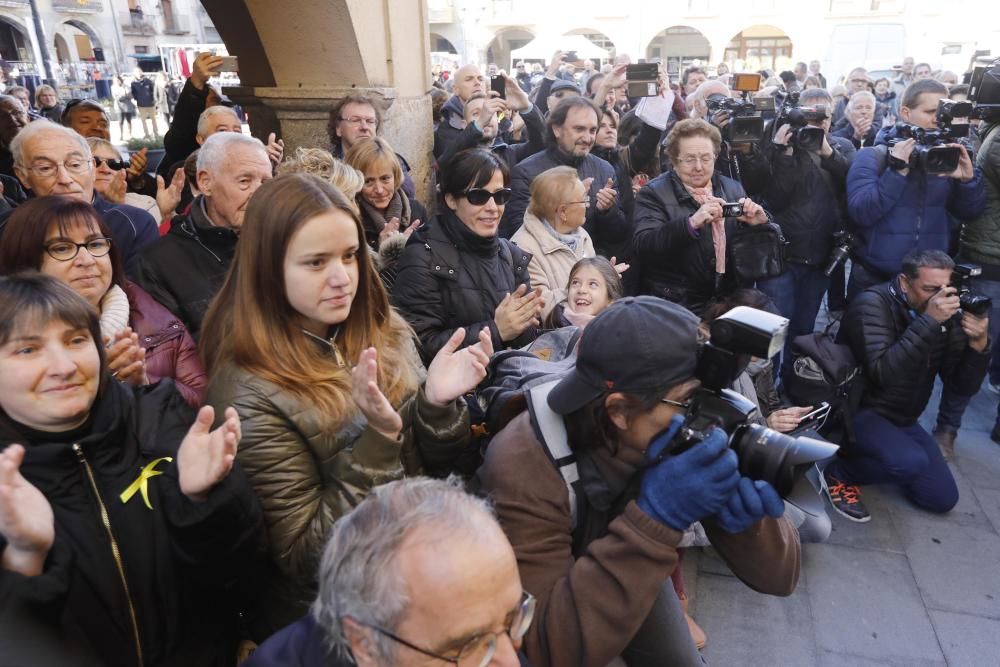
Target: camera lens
(940, 159)
(776, 458)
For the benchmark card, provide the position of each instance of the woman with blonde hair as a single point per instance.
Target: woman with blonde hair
(48, 104)
(322, 163)
(301, 304)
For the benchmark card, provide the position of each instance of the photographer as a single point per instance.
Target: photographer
(806, 197)
(681, 234)
(743, 162)
(897, 208)
(598, 556)
(906, 333)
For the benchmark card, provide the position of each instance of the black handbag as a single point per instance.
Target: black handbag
(757, 252)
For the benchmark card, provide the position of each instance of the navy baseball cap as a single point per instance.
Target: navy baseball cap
(636, 345)
(562, 84)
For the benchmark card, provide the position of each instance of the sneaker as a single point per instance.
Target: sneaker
(845, 498)
(946, 442)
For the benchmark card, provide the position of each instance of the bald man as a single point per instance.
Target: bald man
(468, 81)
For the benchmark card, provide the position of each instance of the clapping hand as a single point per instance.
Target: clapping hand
(455, 372)
(620, 268)
(205, 457)
(26, 519)
(376, 408)
(518, 311)
(606, 196)
(116, 188)
(137, 166)
(168, 197)
(126, 359)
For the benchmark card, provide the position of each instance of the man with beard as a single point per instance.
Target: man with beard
(572, 129)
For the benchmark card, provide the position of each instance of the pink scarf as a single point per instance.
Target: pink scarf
(701, 195)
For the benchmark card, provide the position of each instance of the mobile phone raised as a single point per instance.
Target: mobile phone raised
(498, 86)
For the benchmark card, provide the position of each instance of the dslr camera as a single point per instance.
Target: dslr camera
(746, 124)
(970, 302)
(764, 454)
(803, 135)
(843, 242)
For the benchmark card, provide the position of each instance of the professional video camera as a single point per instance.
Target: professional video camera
(931, 154)
(764, 454)
(843, 243)
(803, 135)
(961, 280)
(984, 91)
(745, 122)
(948, 112)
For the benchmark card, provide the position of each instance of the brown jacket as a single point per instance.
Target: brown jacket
(590, 607)
(307, 475)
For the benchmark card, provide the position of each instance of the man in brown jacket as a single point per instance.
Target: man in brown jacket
(596, 539)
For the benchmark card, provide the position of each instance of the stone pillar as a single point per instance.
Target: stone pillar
(298, 59)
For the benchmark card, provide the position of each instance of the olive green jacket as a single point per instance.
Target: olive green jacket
(981, 237)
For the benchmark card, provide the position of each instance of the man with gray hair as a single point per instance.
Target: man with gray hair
(185, 269)
(420, 569)
(50, 159)
(860, 124)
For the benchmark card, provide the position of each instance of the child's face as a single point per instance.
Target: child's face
(588, 293)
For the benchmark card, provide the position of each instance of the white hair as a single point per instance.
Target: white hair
(359, 576)
(861, 95)
(37, 127)
(216, 149)
(205, 119)
(97, 142)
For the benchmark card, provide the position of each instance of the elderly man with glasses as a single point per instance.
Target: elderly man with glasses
(50, 159)
(419, 573)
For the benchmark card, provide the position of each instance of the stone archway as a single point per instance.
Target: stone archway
(15, 43)
(506, 40)
(760, 47)
(599, 39)
(441, 44)
(87, 40)
(679, 47)
(62, 50)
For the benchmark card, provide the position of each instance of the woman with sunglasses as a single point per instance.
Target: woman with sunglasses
(145, 342)
(325, 375)
(110, 181)
(460, 273)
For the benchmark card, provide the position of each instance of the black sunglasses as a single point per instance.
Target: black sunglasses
(117, 165)
(479, 196)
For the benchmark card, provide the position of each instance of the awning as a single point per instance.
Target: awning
(543, 48)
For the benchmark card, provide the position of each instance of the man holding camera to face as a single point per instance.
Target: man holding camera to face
(806, 197)
(906, 333)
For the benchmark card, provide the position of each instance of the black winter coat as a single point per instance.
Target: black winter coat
(809, 201)
(607, 229)
(902, 352)
(471, 137)
(676, 263)
(443, 282)
(752, 170)
(180, 141)
(185, 269)
(180, 563)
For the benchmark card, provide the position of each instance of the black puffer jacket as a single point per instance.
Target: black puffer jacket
(448, 278)
(902, 352)
(808, 198)
(182, 562)
(185, 269)
(676, 263)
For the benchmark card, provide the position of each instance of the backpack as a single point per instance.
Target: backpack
(820, 369)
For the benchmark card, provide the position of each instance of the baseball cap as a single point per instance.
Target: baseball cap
(562, 84)
(636, 345)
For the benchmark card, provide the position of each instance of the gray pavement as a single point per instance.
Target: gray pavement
(908, 588)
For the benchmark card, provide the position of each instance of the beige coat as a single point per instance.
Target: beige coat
(551, 260)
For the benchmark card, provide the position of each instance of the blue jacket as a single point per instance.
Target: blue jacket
(894, 214)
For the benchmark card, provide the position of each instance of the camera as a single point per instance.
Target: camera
(843, 242)
(948, 111)
(745, 125)
(961, 280)
(930, 154)
(764, 454)
(803, 135)
(984, 91)
(732, 210)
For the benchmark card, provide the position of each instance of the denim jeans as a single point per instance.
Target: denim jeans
(952, 405)
(798, 294)
(905, 455)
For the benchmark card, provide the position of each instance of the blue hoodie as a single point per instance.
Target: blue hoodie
(894, 214)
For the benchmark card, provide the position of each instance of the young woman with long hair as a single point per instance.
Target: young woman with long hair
(301, 304)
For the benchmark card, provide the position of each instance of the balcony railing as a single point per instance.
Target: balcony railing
(178, 24)
(134, 23)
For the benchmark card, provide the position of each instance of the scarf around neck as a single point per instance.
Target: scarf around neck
(702, 195)
(465, 239)
(399, 207)
(114, 312)
(571, 240)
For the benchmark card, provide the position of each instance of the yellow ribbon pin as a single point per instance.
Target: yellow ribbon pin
(141, 482)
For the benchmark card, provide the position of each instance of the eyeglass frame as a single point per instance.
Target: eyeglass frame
(526, 606)
(85, 163)
(585, 202)
(490, 195)
(687, 161)
(78, 247)
(359, 120)
(677, 404)
(98, 161)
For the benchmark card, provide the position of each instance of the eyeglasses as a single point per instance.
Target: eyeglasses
(74, 165)
(585, 202)
(360, 120)
(859, 80)
(692, 160)
(65, 251)
(479, 196)
(117, 165)
(478, 651)
(677, 404)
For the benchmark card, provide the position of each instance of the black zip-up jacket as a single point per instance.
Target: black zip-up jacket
(443, 283)
(180, 140)
(809, 201)
(675, 262)
(471, 137)
(180, 567)
(142, 92)
(185, 269)
(903, 351)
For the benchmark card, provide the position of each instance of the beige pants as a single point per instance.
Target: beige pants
(150, 113)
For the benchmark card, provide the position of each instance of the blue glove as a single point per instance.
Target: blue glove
(748, 504)
(685, 488)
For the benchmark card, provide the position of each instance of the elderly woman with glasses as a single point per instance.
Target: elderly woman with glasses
(681, 228)
(145, 342)
(461, 274)
(110, 181)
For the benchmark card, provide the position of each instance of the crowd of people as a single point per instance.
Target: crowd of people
(250, 403)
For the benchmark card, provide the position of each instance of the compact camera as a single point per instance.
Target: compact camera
(732, 210)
